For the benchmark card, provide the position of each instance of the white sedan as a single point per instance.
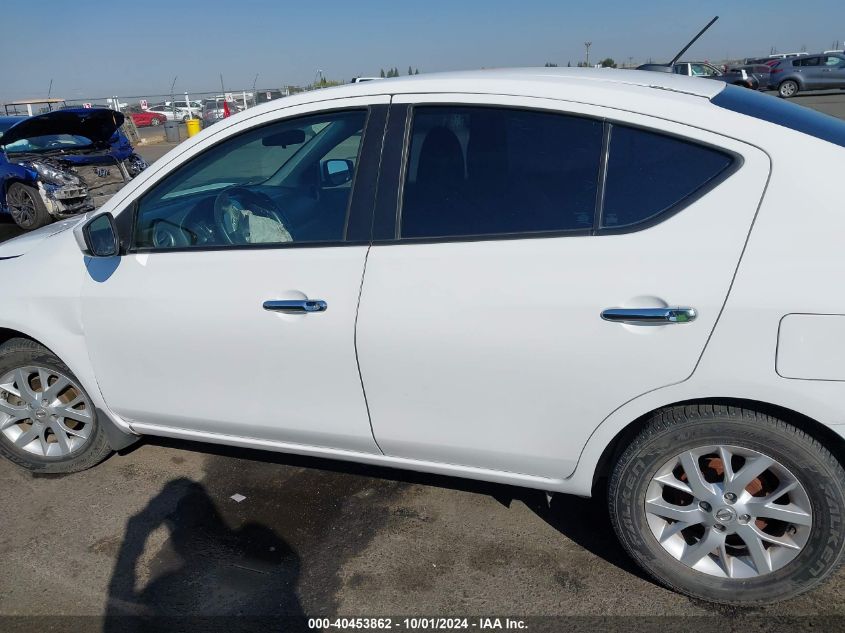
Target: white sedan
(172, 114)
(581, 281)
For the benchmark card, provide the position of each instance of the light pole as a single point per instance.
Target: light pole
(587, 46)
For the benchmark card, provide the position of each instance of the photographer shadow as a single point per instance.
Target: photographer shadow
(205, 575)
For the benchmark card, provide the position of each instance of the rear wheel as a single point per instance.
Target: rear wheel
(788, 89)
(154, 121)
(26, 206)
(47, 421)
(729, 505)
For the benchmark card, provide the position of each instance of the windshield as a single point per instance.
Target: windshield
(47, 143)
(246, 160)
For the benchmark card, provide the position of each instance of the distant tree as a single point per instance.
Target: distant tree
(569, 64)
(550, 65)
(410, 70)
(395, 71)
(382, 73)
(416, 71)
(608, 63)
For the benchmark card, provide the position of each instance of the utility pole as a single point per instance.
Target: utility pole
(630, 61)
(587, 46)
(172, 100)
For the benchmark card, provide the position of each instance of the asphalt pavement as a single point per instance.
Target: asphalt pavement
(155, 531)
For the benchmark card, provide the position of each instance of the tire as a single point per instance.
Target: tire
(85, 443)
(185, 118)
(155, 122)
(736, 573)
(788, 88)
(26, 207)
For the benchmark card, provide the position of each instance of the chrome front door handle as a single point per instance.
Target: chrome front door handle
(296, 306)
(646, 316)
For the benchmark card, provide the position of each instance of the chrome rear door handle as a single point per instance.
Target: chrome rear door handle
(296, 306)
(645, 316)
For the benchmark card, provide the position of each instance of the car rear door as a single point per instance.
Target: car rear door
(811, 72)
(250, 335)
(833, 71)
(514, 224)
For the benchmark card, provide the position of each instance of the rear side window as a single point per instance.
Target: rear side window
(475, 171)
(648, 174)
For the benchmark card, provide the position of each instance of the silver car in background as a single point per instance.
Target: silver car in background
(810, 72)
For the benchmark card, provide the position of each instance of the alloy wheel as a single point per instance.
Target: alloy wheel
(44, 412)
(728, 511)
(21, 206)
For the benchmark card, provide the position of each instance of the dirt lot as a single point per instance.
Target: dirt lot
(155, 532)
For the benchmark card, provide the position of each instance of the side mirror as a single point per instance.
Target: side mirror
(337, 171)
(100, 234)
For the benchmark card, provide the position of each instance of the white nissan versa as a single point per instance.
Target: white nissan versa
(583, 282)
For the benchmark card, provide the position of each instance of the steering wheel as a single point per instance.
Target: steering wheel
(232, 210)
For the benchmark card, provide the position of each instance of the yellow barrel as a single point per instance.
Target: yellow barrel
(193, 126)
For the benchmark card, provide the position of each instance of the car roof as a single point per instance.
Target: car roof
(503, 79)
(596, 85)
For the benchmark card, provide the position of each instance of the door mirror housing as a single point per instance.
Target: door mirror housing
(101, 237)
(337, 171)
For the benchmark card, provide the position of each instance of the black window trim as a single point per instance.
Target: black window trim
(398, 191)
(372, 111)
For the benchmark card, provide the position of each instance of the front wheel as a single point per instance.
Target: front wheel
(47, 421)
(729, 505)
(788, 89)
(155, 122)
(26, 206)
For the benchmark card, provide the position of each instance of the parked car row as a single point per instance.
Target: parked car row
(788, 75)
(738, 77)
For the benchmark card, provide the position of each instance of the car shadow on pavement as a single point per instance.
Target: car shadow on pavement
(586, 522)
(204, 576)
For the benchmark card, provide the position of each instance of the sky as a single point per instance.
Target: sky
(96, 48)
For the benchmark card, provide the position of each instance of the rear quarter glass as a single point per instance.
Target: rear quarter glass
(783, 113)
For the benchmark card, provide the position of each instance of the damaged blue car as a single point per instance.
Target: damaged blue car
(62, 163)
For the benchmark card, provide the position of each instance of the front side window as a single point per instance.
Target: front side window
(475, 171)
(285, 182)
(649, 173)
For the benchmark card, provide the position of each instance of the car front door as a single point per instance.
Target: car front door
(480, 335)
(233, 312)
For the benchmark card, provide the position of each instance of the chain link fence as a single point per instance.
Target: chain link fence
(153, 117)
